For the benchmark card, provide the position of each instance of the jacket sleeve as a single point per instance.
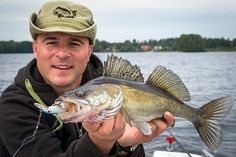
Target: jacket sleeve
(138, 152)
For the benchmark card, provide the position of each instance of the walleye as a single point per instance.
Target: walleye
(122, 88)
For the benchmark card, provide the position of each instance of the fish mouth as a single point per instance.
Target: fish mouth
(77, 110)
(75, 105)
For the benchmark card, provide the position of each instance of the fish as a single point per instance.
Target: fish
(122, 88)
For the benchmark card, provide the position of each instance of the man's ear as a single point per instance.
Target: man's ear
(34, 46)
(91, 47)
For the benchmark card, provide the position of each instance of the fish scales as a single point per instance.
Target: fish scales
(148, 106)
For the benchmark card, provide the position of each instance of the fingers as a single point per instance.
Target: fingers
(111, 126)
(133, 135)
(91, 127)
(169, 119)
(120, 122)
(158, 126)
(114, 124)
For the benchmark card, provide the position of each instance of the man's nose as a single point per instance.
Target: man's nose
(63, 52)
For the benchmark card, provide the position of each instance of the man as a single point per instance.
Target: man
(63, 40)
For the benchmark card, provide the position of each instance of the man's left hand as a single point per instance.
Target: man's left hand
(133, 136)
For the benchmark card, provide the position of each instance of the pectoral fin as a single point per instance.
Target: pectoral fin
(143, 126)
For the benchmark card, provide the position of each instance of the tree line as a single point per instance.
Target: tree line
(185, 43)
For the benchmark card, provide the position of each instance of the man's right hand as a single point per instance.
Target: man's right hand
(104, 135)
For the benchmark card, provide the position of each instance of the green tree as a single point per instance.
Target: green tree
(101, 46)
(234, 43)
(25, 47)
(190, 43)
(168, 44)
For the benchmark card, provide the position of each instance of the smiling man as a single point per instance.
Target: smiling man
(63, 35)
(62, 59)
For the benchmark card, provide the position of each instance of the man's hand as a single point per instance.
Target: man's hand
(134, 136)
(104, 135)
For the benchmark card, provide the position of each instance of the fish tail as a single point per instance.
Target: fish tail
(209, 127)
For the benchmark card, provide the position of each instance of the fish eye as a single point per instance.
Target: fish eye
(80, 93)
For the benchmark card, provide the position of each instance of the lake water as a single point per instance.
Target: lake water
(206, 75)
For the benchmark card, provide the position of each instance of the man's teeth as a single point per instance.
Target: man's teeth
(62, 66)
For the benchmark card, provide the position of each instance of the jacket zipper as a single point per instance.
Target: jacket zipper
(79, 130)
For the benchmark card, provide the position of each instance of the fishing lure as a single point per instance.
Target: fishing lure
(51, 109)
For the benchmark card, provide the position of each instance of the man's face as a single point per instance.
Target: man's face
(62, 59)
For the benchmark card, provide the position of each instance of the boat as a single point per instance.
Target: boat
(169, 152)
(173, 154)
(158, 153)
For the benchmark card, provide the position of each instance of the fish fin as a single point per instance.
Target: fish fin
(122, 69)
(209, 127)
(165, 79)
(142, 126)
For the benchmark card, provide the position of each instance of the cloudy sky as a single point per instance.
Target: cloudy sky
(119, 20)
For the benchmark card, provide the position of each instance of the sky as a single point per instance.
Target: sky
(120, 20)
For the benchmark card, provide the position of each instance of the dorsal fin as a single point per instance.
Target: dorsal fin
(170, 82)
(122, 69)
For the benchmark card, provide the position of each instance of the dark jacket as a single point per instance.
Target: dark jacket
(19, 116)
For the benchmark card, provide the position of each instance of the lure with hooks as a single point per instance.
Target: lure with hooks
(51, 109)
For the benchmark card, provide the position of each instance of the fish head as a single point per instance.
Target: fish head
(87, 102)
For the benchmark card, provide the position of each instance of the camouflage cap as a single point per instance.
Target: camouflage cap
(63, 16)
